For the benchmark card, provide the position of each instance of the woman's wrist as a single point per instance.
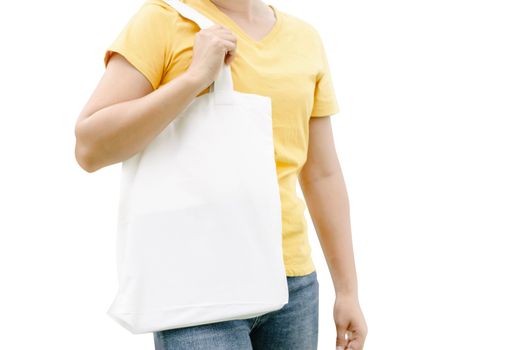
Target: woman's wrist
(197, 81)
(347, 293)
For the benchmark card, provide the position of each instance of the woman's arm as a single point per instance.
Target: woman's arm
(124, 113)
(325, 194)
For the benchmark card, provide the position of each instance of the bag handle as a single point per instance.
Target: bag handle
(223, 85)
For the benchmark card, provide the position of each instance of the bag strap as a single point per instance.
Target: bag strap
(223, 85)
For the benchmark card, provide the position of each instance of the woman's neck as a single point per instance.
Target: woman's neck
(248, 9)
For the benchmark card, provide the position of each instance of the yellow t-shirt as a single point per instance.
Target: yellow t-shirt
(289, 64)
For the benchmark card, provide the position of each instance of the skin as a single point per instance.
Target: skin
(324, 190)
(124, 113)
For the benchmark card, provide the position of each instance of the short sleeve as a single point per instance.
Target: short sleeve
(325, 100)
(144, 42)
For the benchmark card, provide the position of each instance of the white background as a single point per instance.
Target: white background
(430, 137)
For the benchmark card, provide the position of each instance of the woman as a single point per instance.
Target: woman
(158, 64)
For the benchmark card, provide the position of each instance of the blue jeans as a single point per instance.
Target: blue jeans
(294, 326)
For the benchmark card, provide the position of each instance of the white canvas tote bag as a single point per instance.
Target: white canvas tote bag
(199, 234)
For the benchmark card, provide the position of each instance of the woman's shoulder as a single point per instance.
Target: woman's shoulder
(295, 25)
(159, 10)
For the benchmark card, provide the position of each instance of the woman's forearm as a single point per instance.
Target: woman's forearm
(329, 207)
(117, 132)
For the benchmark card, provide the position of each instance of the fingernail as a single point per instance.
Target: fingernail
(339, 348)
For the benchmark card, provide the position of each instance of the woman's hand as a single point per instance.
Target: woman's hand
(349, 319)
(213, 46)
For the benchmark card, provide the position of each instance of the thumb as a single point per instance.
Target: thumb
(341, 341)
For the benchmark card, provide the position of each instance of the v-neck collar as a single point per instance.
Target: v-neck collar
(208, 7)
